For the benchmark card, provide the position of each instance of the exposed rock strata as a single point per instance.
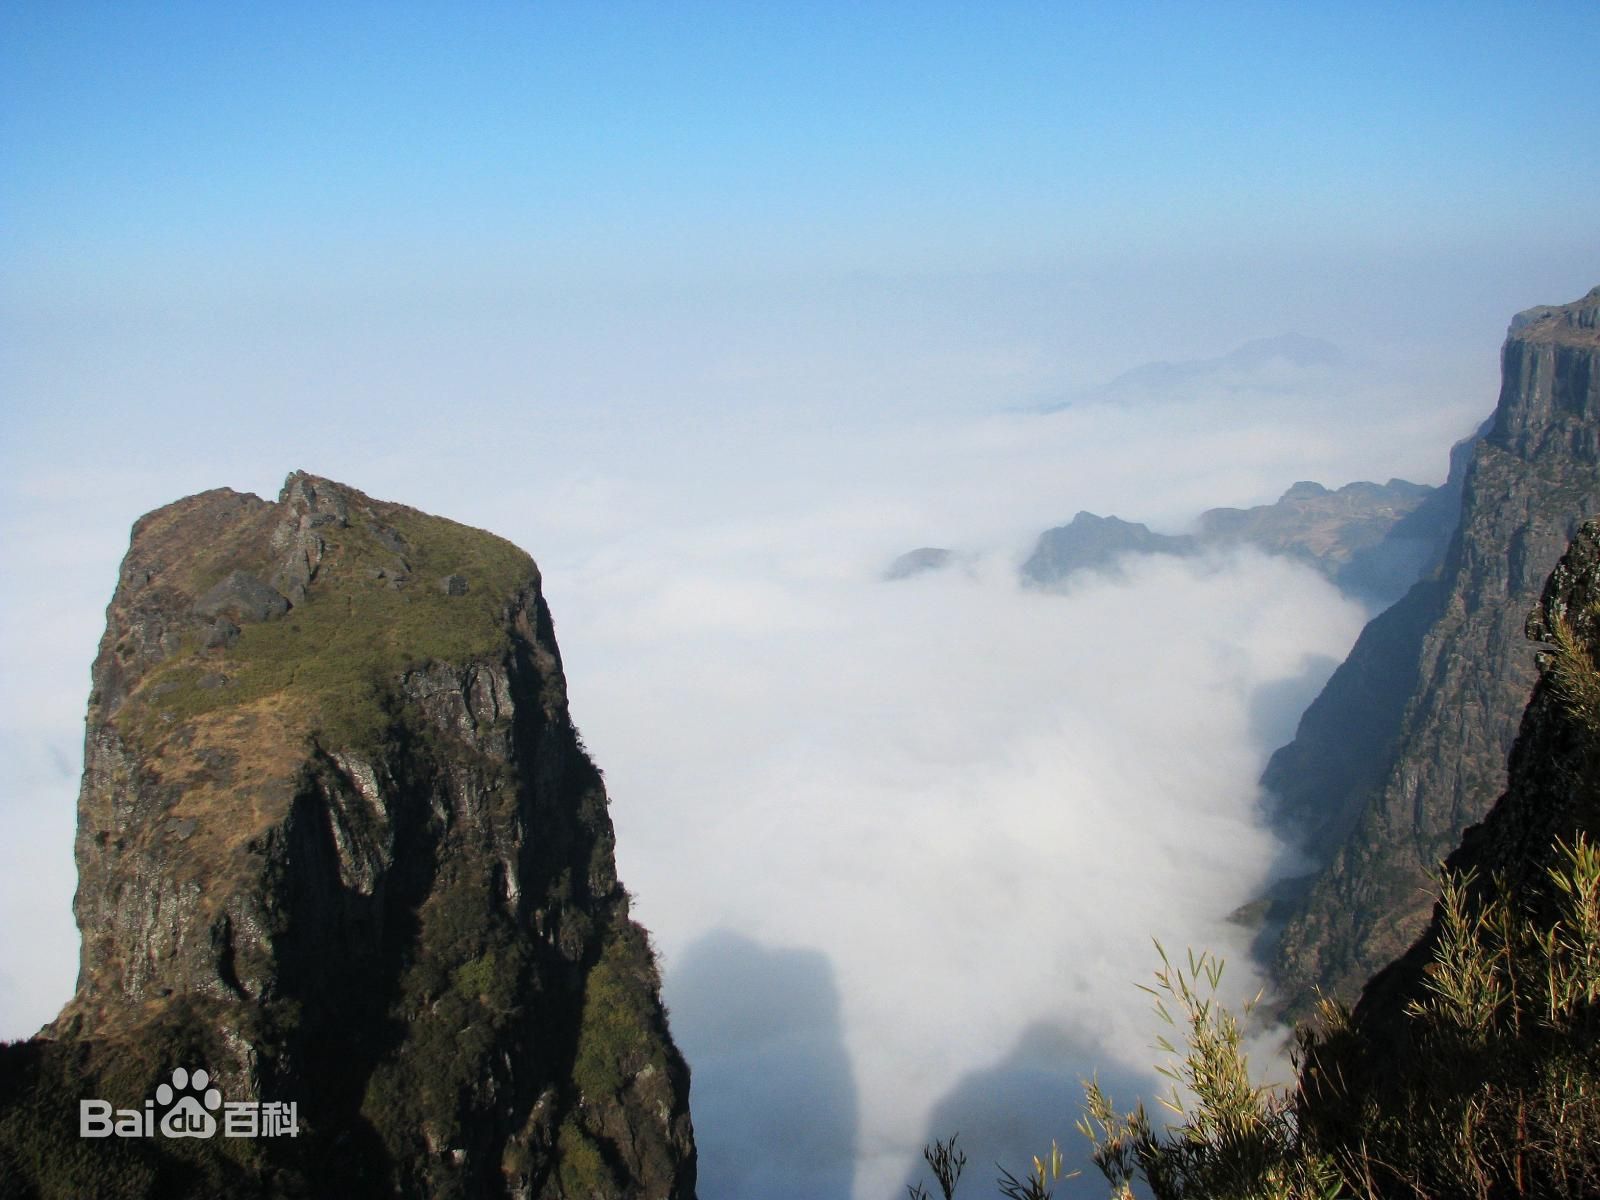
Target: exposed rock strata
(1407, 745)
(1552, 792)
(1468, 1067)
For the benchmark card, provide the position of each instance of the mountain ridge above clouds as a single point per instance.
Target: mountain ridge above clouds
(1372, 540)
(1279, 363)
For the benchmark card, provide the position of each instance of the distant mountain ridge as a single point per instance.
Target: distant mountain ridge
(917, 562)
(1373, 540)
(1093, 543)
(1290, 349)
(1266, 365)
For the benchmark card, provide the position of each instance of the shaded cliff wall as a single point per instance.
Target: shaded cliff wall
(1470, 1065)
(1553, 787)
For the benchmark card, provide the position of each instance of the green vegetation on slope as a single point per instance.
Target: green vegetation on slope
(1490, 1089)
(617, 1040)
(330, 663)
(459, 999)
(41, 1084)
(1472, 1066)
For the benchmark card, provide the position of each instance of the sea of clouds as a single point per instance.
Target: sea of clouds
(904, 846)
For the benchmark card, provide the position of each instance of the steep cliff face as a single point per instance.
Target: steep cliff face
(339, 844)
(1470, 1066)
(1552, 791)
(1346, 736)
(1407, 745)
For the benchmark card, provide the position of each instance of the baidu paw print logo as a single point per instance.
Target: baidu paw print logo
(189, 1116)
(188, 1103)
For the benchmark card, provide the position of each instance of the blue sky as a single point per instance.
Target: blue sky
(738, 139)
(716, 309)
(228, 209)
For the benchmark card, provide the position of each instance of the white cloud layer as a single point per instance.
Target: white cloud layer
(978, 803)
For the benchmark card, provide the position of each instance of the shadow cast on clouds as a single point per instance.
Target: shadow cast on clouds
(1007, 1113)
(774, 1096)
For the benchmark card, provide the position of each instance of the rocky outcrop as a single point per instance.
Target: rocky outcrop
(339, 844)
(917, 562)
(1406, 747)
(1093, 543)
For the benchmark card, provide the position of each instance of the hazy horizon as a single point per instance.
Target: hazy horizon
(717, 311)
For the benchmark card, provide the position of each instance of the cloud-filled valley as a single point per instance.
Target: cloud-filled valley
(978, 804)
(968, 805)
(904, 846)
